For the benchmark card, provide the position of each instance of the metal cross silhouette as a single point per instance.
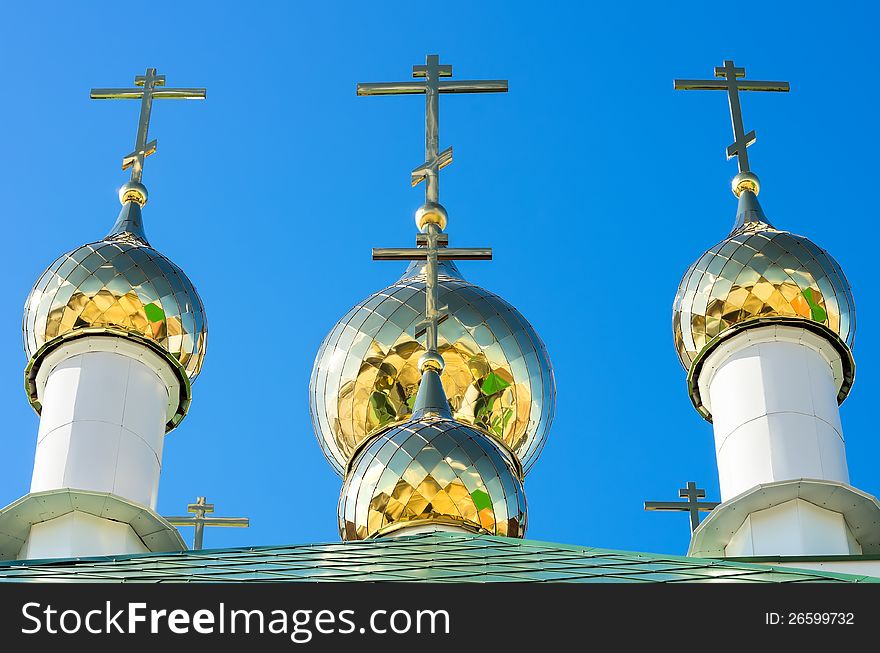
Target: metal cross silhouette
(692, 493)
(152, 87)
(733, 84)
(200, 508)
(432, 71)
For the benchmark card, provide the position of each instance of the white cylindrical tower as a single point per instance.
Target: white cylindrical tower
(763, 322)
(105, 402)
(772, 392)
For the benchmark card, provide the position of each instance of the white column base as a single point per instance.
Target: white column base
(79, 523)
(800, 517)
(105, 403)
(79, 534)
(772, 392)
(793, 528)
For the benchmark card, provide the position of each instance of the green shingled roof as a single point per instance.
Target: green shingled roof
(430, 557)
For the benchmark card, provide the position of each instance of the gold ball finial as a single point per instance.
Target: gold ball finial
(745, 181)
(431, 213)
(133, 192)
(431, 360)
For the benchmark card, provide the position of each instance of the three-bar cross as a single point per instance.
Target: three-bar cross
(432, 71)
(151, 86)
(733, 83)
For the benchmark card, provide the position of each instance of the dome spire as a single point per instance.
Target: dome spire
(748, 211)
(133, 195)
(429, 170)
(431, 217)
(746, 184)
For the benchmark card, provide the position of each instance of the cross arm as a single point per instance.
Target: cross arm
(723, 85)
(421, 254)
(442, 240)
(443, 70)
(411, 88)
(129, 160)
(232, 522)
(156, 93)
(441, 161)
(680, 506)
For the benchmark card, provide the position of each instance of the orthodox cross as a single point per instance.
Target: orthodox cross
(432, 71)
(151, 86)
(692, 493)
(199, 520)
(733, 83)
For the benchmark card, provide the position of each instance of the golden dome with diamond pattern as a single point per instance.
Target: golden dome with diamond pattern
(121, 283)
(432, 470)
(498, 375)
(759, 271)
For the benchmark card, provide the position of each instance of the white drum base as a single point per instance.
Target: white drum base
(102, 426)
(79, 534)
(772, 392)
(77, 523)
(798, 517)
(793, 528)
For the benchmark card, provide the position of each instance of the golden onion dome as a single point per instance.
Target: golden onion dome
(497, 375)
(759, 271)
(122, 283)
(432, 470)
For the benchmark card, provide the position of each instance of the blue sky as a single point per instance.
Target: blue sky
(594, 182)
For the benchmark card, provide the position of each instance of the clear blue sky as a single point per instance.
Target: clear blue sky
(595, 183)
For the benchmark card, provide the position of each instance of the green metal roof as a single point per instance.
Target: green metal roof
(429, 557)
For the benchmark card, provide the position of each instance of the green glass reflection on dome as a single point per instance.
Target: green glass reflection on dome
(493, 383)
(154, 313)
(481, 499)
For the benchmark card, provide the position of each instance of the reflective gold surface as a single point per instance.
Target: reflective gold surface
(124, 283)
(497, 373)
(759, 271)
(432, 469)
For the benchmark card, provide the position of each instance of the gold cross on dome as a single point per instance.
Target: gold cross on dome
(431, 87)
(199, 520)
(733, 83)
(148, 87)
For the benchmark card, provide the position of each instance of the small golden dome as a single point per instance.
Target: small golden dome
(432, 470)
(759, 271)
(119, 282)
(497, 373)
